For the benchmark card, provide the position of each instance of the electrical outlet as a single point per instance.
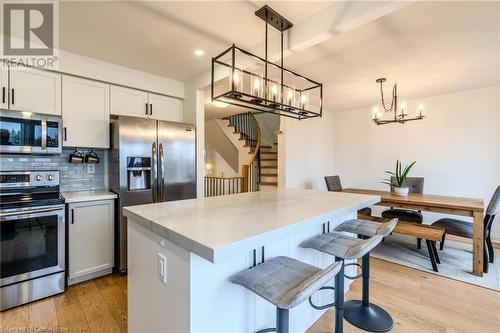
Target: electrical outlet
(162, 268)
(90, 168)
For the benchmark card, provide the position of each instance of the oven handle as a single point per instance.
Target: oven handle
(44, 134)
(32, 211)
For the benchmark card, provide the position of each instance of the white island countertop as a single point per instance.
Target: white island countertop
(219, 228)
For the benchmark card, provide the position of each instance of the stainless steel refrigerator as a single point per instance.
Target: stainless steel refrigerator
(149, 161)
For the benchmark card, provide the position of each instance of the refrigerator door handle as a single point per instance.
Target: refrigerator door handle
(154, 174)
(162, 170)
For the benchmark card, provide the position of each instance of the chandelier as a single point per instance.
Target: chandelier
(400, 111)
(258, 84)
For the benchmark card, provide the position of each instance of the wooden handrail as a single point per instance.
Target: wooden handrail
(215, 177)
(248, 127)
(259, 139)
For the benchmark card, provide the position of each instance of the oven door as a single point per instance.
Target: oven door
(30, 133)
(32, 243)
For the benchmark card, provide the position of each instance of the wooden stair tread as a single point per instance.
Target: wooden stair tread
(269, 152)
(268, 159)
(261, 146)
(269, 174)
(269, 183)
(269, 167)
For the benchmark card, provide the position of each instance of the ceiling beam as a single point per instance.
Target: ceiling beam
(336, 19)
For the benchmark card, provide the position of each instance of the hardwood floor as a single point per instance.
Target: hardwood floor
(97, 306)
(418, 301)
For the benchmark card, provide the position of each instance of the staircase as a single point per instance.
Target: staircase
(268, 167)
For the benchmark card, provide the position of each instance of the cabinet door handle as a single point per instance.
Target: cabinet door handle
(72, 216)
(3, 94)
(146, 109)
(65, 134)
(150, 109)
(12, 96)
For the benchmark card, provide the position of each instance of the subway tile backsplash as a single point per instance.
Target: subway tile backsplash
(74, 177)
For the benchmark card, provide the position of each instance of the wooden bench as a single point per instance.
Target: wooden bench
(430, 234)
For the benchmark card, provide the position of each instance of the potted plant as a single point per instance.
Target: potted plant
(397, 180)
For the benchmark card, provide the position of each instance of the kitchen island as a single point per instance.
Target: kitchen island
(202, 242)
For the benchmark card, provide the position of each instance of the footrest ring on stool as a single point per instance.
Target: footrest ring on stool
(321, 307)
(355, 276)
(266, 330)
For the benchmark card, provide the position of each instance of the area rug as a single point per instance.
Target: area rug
(456, 260)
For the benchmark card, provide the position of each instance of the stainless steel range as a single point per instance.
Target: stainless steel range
(32, 228)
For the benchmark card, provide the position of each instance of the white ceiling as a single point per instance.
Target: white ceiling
(160, 36)
(429, 48)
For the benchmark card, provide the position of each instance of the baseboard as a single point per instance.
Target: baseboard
(495, 242)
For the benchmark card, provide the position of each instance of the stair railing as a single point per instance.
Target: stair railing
(215, 186)
(249, 129)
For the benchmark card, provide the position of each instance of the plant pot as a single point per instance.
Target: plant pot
(401, 191)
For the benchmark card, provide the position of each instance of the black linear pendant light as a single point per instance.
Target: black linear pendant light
(260, 85)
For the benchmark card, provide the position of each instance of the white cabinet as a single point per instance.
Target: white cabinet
(128, 102)
(85, 105)
(33, 90)
(4, 86)
(137, 103)
(165, 108)
(91, 239)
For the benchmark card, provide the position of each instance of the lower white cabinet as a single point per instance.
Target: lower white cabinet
(91, 239)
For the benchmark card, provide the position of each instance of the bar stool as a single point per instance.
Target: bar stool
(285, 283)
(343, 247)
(363, 314)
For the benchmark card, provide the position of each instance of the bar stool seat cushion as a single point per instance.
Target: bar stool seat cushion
(367, 228)
(285, 282)
(455, 227)
(342, 246)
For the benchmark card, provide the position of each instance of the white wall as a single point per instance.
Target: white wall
(457, 146)
(221, 152)
(75, 64)
(305, 152)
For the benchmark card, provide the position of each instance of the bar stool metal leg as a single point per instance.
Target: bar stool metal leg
(339, 300)
(282, 320)
(364, 314)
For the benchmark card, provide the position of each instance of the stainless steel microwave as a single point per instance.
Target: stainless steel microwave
(30, 133)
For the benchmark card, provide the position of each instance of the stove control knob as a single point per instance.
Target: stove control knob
(50, 177)
(38, 178)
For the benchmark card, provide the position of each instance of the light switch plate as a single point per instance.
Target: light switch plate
(90, 168)
(162, 268)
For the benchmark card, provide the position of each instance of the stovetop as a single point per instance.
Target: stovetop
(23, 189)
(31, 200)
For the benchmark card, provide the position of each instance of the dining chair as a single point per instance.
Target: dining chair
(465, 229)
(333, 184)
(416, 185)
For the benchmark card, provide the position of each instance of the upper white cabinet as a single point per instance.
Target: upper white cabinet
(91, 239)
(32, 90)
(85, 105)
(137, 103)
(4, 86)
(128, 102)
(165, 108)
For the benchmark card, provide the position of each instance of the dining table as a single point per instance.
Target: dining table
(452, 205)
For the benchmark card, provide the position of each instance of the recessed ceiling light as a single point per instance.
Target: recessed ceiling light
(220, 104)
(199, 52)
